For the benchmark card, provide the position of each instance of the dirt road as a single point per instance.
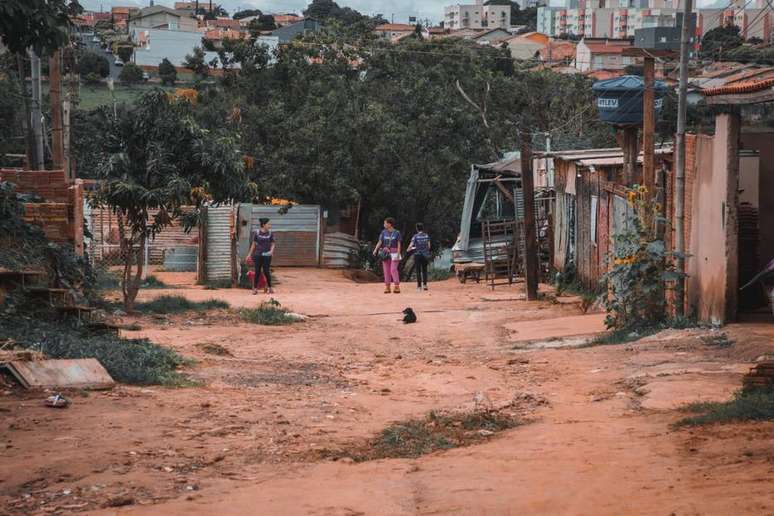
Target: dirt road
(257, 436)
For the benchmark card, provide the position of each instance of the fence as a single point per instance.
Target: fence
(171, 249)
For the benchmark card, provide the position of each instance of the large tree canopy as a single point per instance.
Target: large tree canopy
(386, 126)
(40, 24)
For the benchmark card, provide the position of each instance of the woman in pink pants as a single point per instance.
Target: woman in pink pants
(390, 246)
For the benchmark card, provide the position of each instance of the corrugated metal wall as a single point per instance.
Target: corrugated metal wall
(298, 233)
(218, 261)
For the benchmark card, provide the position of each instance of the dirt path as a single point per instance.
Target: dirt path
(596, 437)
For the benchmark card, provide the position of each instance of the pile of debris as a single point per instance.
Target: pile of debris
(760, 377)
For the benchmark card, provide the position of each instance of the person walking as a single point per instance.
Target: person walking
(261, 250)
(420, 244)
(388, 249)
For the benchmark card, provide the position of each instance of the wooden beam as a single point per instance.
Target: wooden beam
(504, 190)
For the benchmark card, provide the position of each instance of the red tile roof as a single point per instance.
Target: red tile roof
(744, 87)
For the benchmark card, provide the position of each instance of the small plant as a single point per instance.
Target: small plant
(179, 304)
(756, 405)
(152, 282)
(269, 313)
(636, 285)
(437, 431)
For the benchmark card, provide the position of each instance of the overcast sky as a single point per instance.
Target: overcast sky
(402, 9)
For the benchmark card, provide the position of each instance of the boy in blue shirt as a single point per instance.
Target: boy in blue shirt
(420, 244)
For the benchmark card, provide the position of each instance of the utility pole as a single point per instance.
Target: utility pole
(649, 127)
(682, 112)
(531, 267)
(55, 93)
(37, 122)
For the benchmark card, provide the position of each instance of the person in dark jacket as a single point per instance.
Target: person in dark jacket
(261, 250)
(420, 244)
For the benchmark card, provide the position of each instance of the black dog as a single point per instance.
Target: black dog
(409, 316)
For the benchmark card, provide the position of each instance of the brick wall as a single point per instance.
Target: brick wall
(51, 185)
(61, 214)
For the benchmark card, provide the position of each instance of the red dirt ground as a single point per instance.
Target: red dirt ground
(250, 440)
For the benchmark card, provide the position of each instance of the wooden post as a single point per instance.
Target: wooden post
(628, 140)
(531, 268)
(55, 92)
(649, 127)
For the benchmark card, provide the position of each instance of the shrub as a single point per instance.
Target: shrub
(635, 286)
(91, 63)
(92, 79)
(167, 72)
(269, 313)
(131, 74)
(746, 406)
(125, 53)
(179, 304)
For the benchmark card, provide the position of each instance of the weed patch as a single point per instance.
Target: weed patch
(437, 431)
(179, 304)
(269, 313)
(136, 361)
(625, 335)
(214, 349)
(757, 405)
(152, 282)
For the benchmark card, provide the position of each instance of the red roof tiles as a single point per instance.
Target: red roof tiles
(744, 87)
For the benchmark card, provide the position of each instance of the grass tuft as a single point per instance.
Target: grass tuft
(413, 438)
(269, 313)
(179, 304)
(746, 406)
(152, 282)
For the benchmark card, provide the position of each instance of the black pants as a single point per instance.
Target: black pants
(262, 263)
(420, 264)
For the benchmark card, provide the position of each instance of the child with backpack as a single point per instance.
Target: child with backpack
(420, 244)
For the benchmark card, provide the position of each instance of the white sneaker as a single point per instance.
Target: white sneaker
(419, 289)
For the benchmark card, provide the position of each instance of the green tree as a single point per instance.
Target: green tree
(40, 24)
(246, 13)
(91, 63)
(216, 12)
(167, 72)
(196, 62)
(325, 10)
(131, 74)
(125, 53)
(157, 158)
(720, 40)
(266, 22)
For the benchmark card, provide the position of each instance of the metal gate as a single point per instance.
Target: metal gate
(297, 233)
(219, 231)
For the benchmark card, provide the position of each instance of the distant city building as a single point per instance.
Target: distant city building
(620, 18)
(392, 31)
(160, 17)
(477, 16)
(602, 54)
